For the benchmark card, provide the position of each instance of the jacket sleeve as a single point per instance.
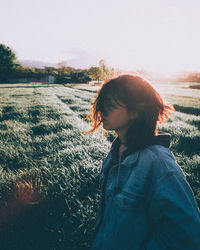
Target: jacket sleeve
(174, 214)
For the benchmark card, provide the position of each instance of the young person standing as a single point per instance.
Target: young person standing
(146, 202)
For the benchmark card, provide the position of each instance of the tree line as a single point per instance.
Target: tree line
(190, 77)
(10, 68)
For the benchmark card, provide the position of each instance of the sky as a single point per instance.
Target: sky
(160, 36)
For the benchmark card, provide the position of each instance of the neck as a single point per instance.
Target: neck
(122, 137)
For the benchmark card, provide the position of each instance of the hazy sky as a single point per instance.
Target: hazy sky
(156, 35)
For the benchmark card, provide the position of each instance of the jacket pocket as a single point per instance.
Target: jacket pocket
(127, 201)
(127, 222)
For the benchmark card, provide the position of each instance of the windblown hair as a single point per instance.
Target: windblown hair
(138, 95)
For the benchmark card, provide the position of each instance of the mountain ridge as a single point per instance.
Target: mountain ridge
(36, 63)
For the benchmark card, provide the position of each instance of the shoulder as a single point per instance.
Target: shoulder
(160, 164)
(156, 152)
(155, 162)
(160, 159)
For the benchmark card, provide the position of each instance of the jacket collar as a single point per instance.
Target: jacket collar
(161, 138)
(130, 159)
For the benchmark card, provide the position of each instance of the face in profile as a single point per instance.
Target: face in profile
(116, 117)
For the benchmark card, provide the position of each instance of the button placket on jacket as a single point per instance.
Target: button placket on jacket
(112, 174)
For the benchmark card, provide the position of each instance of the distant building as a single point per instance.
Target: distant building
(48, 79)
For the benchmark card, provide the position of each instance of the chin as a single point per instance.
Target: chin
(107, 128)
(104, 126)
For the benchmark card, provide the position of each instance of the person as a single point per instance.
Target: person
(146, 201)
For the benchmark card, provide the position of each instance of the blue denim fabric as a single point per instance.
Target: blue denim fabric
(146, 204)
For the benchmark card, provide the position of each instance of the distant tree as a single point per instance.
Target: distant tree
(189, 77)
(49, 70)
(63, 69)
(8, 63)
(194, 77)
(81, 76)
(105, 72)
(28, 72)
(94, 73)
(20, 71)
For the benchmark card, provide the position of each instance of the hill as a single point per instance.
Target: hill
(36, 64)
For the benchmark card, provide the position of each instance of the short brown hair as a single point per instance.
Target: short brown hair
(137, 94)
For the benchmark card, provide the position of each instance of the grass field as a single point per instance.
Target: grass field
(49, 188)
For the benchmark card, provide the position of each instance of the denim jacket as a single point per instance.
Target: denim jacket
(146, 202)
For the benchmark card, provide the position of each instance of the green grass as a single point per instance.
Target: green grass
(49, 187)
